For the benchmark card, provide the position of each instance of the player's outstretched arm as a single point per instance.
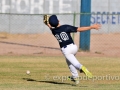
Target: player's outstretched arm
(94, 26)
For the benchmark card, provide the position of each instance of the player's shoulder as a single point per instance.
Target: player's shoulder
(69, 26)
(66, 25)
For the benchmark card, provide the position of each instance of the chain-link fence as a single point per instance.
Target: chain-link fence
(27, 23)
(29, 33)
(33, 23)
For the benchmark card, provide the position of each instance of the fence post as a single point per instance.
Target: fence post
(74, 19)
(85, 21)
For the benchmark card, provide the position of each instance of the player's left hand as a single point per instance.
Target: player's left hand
(96, 26)
(46, 19)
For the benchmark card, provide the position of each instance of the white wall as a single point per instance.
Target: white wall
(39, 6)
(34, 23)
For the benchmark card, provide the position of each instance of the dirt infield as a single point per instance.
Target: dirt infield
(46, 44)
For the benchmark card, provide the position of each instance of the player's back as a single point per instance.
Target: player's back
(62, 34)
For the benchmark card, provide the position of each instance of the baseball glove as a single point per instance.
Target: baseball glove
(46, 19)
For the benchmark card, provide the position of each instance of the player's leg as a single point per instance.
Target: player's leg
(72, 69)
(72, 59)
(75, 76)
(83, 68)
(69, 54)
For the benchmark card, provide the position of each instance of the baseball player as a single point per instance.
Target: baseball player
(67, 45)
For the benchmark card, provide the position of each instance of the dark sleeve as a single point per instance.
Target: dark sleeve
(71, 28)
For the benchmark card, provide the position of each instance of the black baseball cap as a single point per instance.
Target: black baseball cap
(53, 21)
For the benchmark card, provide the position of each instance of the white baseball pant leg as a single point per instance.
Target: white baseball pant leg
(73, 64)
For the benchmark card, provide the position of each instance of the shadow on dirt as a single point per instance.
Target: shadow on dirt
(28, 45)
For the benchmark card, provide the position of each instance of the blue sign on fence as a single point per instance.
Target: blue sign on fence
(105, 18)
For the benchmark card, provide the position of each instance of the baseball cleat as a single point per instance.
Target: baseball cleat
(76, 80)
(87, 73)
